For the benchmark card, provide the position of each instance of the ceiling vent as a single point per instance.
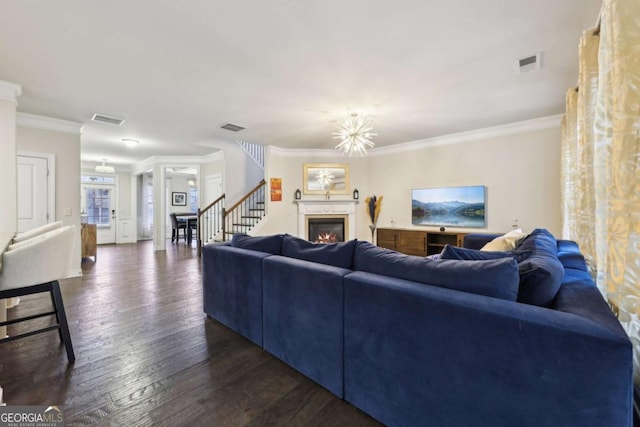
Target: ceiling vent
(232, 127)
(529, 63)
(107, 119)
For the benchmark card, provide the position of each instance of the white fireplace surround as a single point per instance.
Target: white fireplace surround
(318, 208)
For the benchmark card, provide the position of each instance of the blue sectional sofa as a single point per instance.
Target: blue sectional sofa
(473, 338)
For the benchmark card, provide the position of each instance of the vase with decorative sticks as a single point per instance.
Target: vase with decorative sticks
(374, 205)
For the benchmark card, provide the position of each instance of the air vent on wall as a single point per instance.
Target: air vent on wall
(231, 127)
(107, 119)
(529, 63)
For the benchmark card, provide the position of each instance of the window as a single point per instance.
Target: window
(193, 199)
(98, 206)
(97, 179)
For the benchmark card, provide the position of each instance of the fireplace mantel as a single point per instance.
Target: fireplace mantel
(328, 208)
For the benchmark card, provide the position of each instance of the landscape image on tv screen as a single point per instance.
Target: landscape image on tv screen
(451, 206)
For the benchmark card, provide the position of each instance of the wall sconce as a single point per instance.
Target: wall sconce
(356, 194)
(298, 194)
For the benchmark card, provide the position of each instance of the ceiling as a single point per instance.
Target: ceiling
(286, 70)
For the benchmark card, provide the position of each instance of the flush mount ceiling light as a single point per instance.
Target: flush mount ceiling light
(355, 135)
(130, 142)
(103, 168)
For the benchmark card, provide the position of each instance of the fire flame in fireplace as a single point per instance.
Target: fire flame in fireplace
(326, 238)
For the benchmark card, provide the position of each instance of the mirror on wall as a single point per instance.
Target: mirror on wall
(323, 178)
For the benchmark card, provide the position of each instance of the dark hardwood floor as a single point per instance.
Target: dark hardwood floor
(147, 355)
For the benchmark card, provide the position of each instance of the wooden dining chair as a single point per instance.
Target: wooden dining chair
(176, 226)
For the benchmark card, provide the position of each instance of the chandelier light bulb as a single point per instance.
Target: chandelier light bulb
(355, 135)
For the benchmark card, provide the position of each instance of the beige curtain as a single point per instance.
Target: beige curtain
(601, 161)
(569, 164)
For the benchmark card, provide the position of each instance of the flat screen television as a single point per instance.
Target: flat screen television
(449, 206)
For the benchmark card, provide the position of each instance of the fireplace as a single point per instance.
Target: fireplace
(327, 209)
(326, 229)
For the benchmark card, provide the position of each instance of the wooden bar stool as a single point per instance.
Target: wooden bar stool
(33, 266)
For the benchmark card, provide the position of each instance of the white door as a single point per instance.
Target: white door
(32, 192)
(213, 188)
(100, 209)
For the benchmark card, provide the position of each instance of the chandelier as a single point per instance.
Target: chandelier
(355, 135)
(103, 168)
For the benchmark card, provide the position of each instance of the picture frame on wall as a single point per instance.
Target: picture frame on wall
(178, 199)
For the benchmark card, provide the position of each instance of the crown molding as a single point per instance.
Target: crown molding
(213, 157)
(542, 123)
(302, 152)
(148, 163)
(10, 91)
(548, 122)
(34, 121)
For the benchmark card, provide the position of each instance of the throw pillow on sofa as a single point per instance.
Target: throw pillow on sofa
(269, 244)
(507, 242)
(336, 254)
(496, 278)
(464, 254)
(540, 279)
(540, 272)
(540, 239)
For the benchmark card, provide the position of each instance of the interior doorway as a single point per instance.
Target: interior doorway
(36, 189)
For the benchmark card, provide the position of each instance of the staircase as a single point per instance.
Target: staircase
(210, 222)
(255, 151)
(216, 223)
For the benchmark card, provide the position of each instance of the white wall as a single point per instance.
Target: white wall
(519, 164)
(178, 184)
(283, 216)
(240, 173)
(521, 172)
(9, 212)
(66, 148)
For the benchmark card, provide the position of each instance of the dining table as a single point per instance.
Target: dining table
(192, 222)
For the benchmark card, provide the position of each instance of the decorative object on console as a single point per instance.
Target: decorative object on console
(452, 206)
(356, 194)
(374, 205)
(355, 135)
(298, 194)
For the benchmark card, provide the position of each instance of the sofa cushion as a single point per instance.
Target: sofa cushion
(568, 246)
(496, 278)
(464, 254)
(336, 254)
(540, 239)
(541, 274)
(572, 260)
(269, 244)
(506, 242)
(303, 317)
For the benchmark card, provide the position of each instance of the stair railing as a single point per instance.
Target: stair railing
(255, 151)
(210, 220)
(246, 213)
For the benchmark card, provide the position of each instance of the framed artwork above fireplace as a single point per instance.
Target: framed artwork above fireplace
(325, 178)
